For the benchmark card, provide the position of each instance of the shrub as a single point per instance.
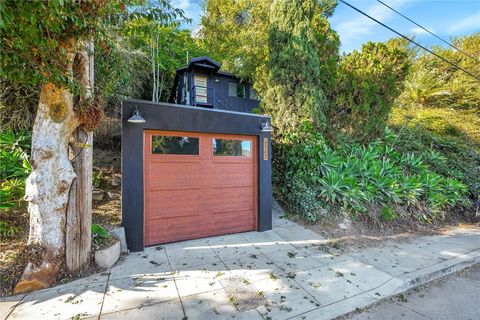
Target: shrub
(310, 176)
(14, 167)
(368, 82)
(434, 83)
(455, 154)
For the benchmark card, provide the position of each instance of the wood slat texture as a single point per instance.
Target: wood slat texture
(195, 196)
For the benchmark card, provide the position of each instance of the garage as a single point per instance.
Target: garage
(190, 172)
(198, 185)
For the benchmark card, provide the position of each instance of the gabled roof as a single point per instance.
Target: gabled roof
(204, 61)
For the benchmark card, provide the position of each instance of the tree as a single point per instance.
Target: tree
(368, 83)
(432, 82)
(328, 44)
(166, 48)
(294, 80)
(44, 43)
(236, 33)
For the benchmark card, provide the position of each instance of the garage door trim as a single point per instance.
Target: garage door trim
(170, 117)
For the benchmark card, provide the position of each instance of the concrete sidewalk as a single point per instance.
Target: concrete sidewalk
(287, 273)
(452, 297)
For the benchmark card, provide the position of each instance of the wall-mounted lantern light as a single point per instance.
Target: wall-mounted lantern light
(266, 127)
(136, 117)
(216, 80)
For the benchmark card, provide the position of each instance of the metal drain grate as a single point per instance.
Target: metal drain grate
(242, 293)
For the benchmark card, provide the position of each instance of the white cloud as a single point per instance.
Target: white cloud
(418, 30)
(192, 9)
(357, 25)
(466, 24)
(181, 4)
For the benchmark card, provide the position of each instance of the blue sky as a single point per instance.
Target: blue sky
(446, 18)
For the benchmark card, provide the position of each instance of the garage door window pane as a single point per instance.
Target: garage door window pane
(175, 145)
(239, 148)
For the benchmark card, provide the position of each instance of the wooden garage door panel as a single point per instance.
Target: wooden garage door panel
(233, 221)
(184, 203)
(183, 175)
(172, 203)
(228, 200)
(239, 174)
(161, 231)
(193, 196)
(174, 175)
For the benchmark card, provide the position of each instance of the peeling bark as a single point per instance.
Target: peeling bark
(47, 187)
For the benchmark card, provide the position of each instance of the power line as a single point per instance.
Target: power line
(433, 34)
(412, 41)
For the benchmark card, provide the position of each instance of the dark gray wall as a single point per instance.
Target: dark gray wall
(164, 116)
(221, 87)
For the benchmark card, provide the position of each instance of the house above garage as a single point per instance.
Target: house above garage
(199, 166)
(201, 83)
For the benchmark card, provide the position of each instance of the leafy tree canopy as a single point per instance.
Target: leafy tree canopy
(237, 35)
(434, 83)
(236, 32)
(39, 37)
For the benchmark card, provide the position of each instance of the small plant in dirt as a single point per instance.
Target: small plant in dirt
(101, 238)
(96, 179)
(388, 214)
(7, 230)
(101, 177)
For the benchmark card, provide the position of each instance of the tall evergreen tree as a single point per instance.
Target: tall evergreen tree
(294, 81)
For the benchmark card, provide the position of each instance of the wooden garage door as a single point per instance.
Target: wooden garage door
(198, 185)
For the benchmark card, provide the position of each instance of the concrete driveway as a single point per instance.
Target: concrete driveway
(285, 273)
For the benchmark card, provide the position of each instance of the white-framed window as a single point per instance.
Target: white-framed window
(201, 94)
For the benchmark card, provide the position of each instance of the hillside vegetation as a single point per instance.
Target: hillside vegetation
(439, 110)
(383, 131)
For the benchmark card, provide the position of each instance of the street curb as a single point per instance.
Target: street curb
(393, 287)
(459, 263)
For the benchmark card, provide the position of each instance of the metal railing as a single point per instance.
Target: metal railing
(207, 96)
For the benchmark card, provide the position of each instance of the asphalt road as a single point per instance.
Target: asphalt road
(454, 297)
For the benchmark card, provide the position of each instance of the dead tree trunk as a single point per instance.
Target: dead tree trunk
(48, 185)
(79, 212)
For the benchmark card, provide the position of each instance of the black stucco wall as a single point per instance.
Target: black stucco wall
(221, 87)
(164, 116)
